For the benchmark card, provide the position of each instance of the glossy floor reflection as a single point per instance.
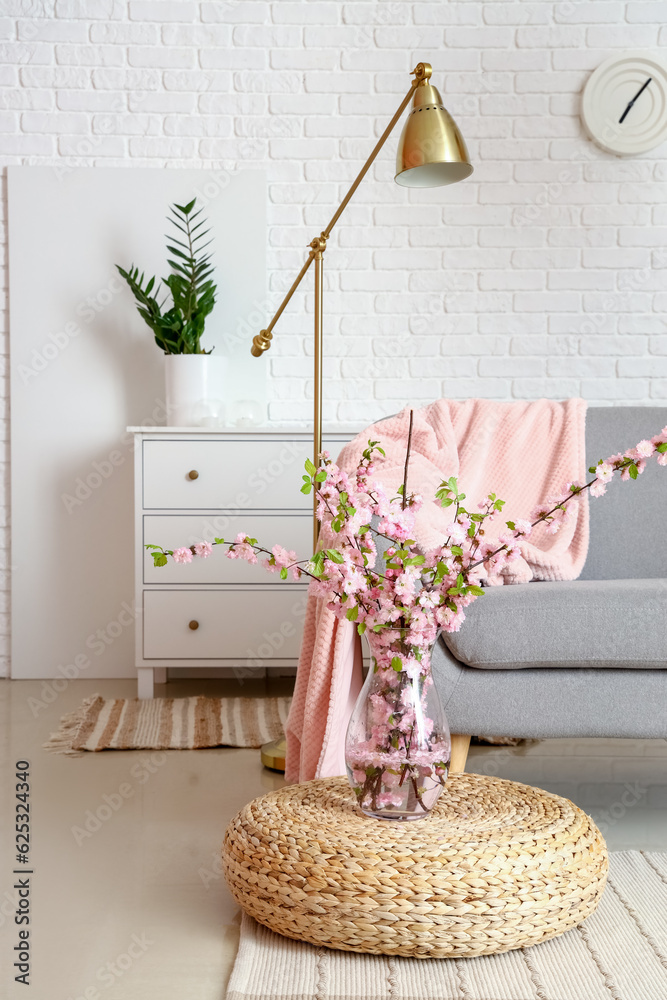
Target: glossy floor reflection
(128, 902)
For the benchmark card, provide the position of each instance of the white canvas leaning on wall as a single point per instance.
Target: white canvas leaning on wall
(83, 367)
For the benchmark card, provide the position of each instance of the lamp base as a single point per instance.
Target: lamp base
(273, 754)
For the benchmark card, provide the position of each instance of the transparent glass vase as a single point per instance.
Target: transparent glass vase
(398, 747)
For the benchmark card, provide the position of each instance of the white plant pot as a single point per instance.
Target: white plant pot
(195, 389)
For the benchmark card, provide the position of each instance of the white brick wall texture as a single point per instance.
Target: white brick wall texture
(543, 274)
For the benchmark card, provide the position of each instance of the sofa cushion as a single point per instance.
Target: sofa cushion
(624, 542)
(582, 623)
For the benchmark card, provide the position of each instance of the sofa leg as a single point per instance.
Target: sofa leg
(460, 746)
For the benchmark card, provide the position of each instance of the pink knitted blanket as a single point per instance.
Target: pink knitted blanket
(523, 452)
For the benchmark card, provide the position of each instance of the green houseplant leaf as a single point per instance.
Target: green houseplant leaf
(178, 328)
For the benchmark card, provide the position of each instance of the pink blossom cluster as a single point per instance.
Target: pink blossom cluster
(630, 463)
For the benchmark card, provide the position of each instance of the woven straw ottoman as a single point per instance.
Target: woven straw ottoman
(497, 865)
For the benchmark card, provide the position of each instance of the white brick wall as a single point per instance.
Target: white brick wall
(543, 274)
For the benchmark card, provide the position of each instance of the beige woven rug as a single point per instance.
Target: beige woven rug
(619, 953)
(169, 724)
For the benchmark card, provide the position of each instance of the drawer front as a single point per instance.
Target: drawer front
(293, 531)
(232, 475)
(252, 626)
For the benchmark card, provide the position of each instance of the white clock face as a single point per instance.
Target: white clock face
(624, 106)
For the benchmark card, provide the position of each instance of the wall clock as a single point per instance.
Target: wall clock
(624, 107)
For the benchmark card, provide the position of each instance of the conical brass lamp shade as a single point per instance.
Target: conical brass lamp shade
(431, 151)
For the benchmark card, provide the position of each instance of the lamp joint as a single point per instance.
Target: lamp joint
(319, 244)
(422, 73)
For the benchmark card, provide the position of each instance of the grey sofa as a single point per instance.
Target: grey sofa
(580, 658)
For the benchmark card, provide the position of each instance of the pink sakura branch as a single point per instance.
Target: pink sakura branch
(412, 591)
(398, 758)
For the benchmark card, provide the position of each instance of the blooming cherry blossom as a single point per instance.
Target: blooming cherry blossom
(369, 570)
(182, 555)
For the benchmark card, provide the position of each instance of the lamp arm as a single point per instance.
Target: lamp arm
(369, 162)
(262, 341)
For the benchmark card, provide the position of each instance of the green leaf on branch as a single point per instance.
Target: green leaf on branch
(634, 471)
(334, 555)
(352, 614)
(218, 541)
(415, 561)
(309, 467)
(317, 564)
(159, 559)
(441, 571)
(361, 628)
(662, 447)
(457, 550)
(397, 664)
(477, 591)
(511, 525)
(321, 476)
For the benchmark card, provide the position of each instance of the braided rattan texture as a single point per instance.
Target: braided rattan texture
(497, 865)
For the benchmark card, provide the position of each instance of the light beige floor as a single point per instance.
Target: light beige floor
(151, 870)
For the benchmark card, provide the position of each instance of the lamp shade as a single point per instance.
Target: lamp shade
(431, 151)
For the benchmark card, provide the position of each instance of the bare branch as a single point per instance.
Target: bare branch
(407, 460)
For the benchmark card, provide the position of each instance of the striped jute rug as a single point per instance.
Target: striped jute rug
(169, 724)
(619, 953)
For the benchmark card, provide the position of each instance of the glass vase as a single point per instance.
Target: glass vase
(398, 747)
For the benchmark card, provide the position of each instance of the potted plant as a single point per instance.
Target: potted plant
(193, 379)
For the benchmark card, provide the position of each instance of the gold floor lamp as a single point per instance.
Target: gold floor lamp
(431, 153)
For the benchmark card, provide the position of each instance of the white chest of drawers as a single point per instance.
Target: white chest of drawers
(195, 485)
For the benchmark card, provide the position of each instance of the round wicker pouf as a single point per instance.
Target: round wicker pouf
(497, 865)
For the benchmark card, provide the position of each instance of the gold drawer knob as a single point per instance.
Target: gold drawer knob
(193, 474)
(194, 625)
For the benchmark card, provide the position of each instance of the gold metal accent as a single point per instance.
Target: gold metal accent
(318, 245)
(194, 625)
(193, 474)
(273, 754)
(422, 72)
(432, 152)
(261, 343)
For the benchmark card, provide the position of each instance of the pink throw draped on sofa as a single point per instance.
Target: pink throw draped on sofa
(523, 452)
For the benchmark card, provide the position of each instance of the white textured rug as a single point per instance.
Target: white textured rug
(619, 953)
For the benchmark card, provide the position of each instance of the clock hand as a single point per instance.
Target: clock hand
(639, 92)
